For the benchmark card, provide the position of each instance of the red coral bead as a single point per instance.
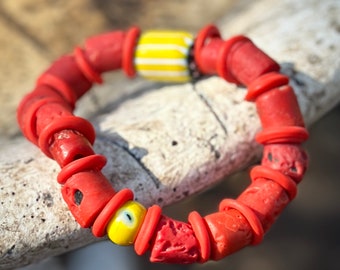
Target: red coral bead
(289, 159)
(174, 242)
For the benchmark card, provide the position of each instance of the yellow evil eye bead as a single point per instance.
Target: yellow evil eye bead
(163, 55)
(125, 224)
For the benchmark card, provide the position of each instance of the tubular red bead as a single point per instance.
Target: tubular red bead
(266, 198)
(265, 83)
(241, 62)
(71, 122)
(279, 108)
(146, 232)
(202, 57)
(121, 197)
(229, 232)
(86, 194)
(104, 52)
(289, 159)
(69, 145)
(90, 163)
(129, 46)
(65, 76)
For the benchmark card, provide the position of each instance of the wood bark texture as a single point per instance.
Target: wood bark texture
(168, 142)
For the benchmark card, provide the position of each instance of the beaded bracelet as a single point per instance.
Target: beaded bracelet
(46, 118)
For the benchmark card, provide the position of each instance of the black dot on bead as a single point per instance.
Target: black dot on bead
(174, 143)
(128, 216)
(270, 157)
(293, 169)
(78, 197)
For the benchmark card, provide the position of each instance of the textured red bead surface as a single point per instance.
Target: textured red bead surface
(289, 159)
(279, 108)
(229, 232)
(174, 242)
(69, 145)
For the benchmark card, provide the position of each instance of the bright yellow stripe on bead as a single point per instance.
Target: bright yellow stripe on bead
(163, 55)
(125, 224)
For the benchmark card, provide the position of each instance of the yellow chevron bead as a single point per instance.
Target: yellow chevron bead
(125, 224)
(163, 55)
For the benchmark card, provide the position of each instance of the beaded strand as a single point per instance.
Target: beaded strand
(46, 118)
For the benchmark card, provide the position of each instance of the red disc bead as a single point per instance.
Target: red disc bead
(147, 230)
(86, 194)
(265, 83)
(206, 48)
(202, 235)
(129, 46)
(90, 163)
(286, 134)
(104, 217)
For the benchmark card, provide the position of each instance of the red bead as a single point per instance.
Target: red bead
(117, 201)
(86, 67)
(65, 76)
(282, 135)
(240, 61)
(31, 103)
(104, 52)
(283, 180)
(266, 198)
(86, 194)
(229, 232)
(50, 112)
(206, 47)
(249, 215)
(69, 145)
(201, 233)
(265, 83)
(289, 159)
(78, 124)
(174, 242)
(278, 108)
(147, 230)
(90, 163)
(129, 46)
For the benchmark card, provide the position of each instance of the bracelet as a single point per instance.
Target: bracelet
(46, 118)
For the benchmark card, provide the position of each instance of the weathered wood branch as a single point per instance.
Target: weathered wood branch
(166, 143)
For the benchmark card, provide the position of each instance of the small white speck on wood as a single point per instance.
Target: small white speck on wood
(166, 143)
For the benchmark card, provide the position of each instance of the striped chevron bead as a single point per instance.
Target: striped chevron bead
(164, 55)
